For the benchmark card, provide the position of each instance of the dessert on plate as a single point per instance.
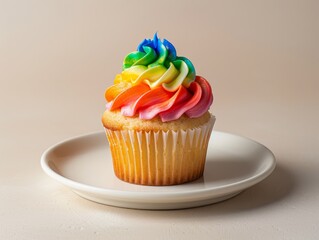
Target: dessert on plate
(156, 119)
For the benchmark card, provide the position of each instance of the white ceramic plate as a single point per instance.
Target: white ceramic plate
(84, 164)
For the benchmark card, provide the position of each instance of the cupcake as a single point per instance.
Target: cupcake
(156, 119)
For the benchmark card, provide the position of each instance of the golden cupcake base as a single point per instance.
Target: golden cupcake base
(159, 158)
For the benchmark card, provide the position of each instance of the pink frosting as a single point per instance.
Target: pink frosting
(148, 103)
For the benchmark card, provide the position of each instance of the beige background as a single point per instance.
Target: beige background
(262, 59)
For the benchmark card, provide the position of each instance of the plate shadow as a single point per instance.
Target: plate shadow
(278, 186)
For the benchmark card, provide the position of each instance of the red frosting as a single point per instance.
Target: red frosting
(148, 103)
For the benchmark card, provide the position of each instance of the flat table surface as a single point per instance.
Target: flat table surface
(261, 58)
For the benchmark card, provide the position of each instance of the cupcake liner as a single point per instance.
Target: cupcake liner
(159, 158)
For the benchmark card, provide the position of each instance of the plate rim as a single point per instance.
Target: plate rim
(150, 196)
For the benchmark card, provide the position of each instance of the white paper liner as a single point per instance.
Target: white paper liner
(161, 157)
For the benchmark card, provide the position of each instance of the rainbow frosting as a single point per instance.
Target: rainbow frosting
(157, 82)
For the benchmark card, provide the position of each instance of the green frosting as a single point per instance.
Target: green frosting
(155, 63)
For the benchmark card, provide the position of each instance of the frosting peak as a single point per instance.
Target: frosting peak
(156, 81)
(155, 63)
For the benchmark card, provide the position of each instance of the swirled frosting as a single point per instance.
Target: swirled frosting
(157, 82)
